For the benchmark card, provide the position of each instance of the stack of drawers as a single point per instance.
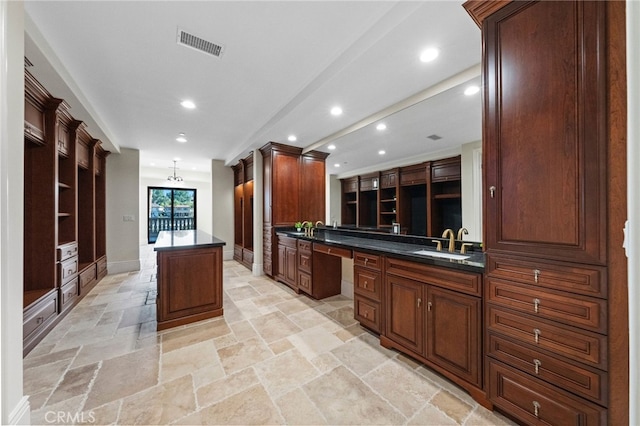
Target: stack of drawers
(305, 262)
(546, 340)
(367, 290)
(67, 255)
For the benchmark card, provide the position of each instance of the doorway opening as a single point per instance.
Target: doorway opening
(170, 209)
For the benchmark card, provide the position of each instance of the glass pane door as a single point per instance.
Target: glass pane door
(170, 209)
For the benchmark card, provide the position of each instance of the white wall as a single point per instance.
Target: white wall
(334, 200)
(222, 209)
(200, 181)
(14, 407)
(471, 190)
(123, 178)
(633, 206)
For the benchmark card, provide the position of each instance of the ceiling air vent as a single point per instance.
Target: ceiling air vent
(197, 43)
(434, 137)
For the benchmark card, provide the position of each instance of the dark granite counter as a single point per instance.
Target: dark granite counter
(399, 246)
(180, 240)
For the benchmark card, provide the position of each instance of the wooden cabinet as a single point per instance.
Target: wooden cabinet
(435, 315)
(350, 201)
(367, 289)
(287, 271)
(368, 200)
(446, 196)
(327, 270)
(305, 266)
(554, 197)
(64, 219)
(294, 190)
(243, 211)
(388, 205)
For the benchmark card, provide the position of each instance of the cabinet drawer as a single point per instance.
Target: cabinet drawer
(367, 283)
(590, 281)
(304, 245)
(67, 269)
(304, 261)
(535, 402)
(368, 260)
(66, 251)
(332, 250)
(465, 282)
(367, 312)
(580, 311)
(579, 345)
(237, 253)
(39, 315)
(444, 170)
(413, 175)
(304, 282)
(101, 268)
(68, 294)
(87, 276)
(586, 382)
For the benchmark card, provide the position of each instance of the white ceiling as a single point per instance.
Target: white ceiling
(284, 65)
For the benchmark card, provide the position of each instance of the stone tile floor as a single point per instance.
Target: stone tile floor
(274, 358)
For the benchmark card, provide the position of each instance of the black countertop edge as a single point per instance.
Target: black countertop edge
(180, 240)
(398, 246)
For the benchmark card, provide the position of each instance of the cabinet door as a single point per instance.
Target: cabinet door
(545, 130)
(312, 189)
(405, 313)
(285, 189)
(290, 269)
(282, 256)
(453, 333)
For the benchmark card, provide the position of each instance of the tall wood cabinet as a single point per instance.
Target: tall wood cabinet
(294, 190)
(556, 333)
(243, 211)
(64, 201)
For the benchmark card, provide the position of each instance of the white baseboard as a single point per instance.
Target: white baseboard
(257, 270)
(124, 266)
(227, 254)
(346, 289)
(21, 414)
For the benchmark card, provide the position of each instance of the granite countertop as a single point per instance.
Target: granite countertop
(180, 240)
(396, 246)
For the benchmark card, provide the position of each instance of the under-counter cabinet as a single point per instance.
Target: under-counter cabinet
(367, 290)
(434, 315)
(286, 271)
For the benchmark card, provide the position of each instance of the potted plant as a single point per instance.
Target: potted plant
(298, 226)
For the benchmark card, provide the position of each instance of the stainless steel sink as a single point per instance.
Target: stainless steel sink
(441, 255)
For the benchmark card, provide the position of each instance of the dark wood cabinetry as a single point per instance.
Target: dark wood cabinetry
(553, 164)
(243, 211)
(64, 222)
(424, 199)
(294, 190)
(367, 290)
(434, 314)
(287, 268)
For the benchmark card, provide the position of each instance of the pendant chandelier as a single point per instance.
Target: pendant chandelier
(174, 178)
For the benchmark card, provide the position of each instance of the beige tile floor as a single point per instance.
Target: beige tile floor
(274, 358)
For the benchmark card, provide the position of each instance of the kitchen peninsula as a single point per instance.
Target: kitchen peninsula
(189, 277)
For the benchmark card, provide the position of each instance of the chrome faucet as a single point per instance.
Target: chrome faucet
(452, 241)
(461, 232)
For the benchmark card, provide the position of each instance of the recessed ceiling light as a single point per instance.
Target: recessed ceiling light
(331, 147)
(381, 126)
(177, 159)
(153, 164)
(181, 138)
(188, 104)
(382, 152)
(471, 90)
(336, 110)
(336, 165)
(429, 54)
(292, 138)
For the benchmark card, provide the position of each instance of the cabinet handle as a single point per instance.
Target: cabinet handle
(366, 259)
(536, 408)
(366, 315)
(365, 283)
(39, 320)
(429, 305)
(537, 364)
(537, 333)
(492, 191)
(536, 305)
(329, 251)
(419, 302)
(536, 274)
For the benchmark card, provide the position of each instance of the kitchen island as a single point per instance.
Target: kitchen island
(189, 277)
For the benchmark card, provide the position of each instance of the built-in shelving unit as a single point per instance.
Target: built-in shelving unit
(243, 211)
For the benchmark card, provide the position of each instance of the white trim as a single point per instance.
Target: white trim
(21, 414)
(123, 266)
(477, 193)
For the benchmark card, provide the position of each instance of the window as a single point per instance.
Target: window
(170, 209)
